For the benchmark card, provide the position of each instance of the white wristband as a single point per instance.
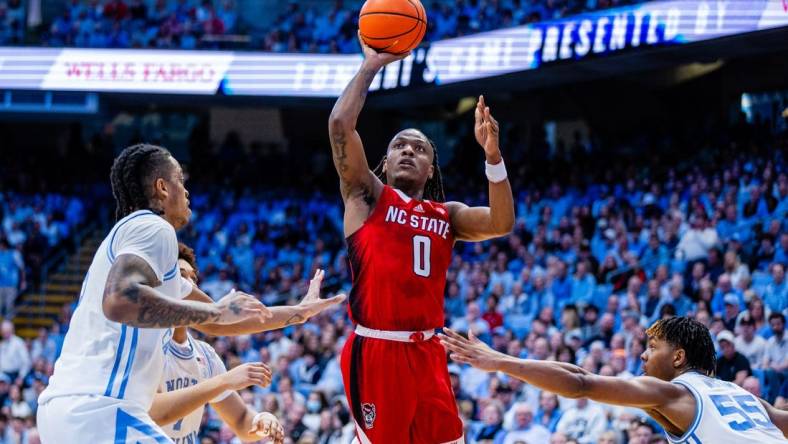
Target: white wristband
(495, 173)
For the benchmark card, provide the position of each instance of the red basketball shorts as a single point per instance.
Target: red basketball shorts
(400, 392)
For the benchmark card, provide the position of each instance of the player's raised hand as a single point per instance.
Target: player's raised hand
(238, 306)
(486, 130)
(266, 425)
(471, 350)
(254, 373)
(311, 304)
(378, 59)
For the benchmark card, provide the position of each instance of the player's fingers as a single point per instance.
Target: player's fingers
(338, 299)
(460, 358)
(258, 370)
(255, 429)
(453, 334)
(472, 336)
(452, 346)
(481, 101)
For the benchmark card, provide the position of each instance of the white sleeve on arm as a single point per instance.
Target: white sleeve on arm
(186, 287)
(152, 239)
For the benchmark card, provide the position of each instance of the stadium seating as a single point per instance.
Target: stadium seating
(316, 26)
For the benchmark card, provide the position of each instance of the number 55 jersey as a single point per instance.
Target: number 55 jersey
(399, 259)
(725, 414)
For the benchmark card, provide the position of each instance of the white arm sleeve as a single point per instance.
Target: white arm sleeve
(186, 287)
(152, 239)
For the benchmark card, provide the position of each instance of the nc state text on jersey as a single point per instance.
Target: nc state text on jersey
(424, 223)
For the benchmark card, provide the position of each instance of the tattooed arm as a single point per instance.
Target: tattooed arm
(282, 316)
(130, 297)
(359, 186)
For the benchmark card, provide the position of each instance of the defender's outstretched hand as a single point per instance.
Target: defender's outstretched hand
(471, 350)
(486, 130)
(312, 304)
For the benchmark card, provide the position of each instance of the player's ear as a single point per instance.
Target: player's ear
(160, 190)
(385, 162)
(679, 358)
(432, 171)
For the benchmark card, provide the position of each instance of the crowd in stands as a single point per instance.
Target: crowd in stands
(329, 28)
(31, 227)
(586, 270)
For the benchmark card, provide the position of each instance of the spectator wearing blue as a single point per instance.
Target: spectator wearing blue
(730, 225)
(775, 294)
(473, 320)
(524, 428)
(724, 289)
(549, 412)
(561, 286)
(653, 255)
(781, 251)
(12, 277)
(675, 296)
(540, 291)
(583, 284)
(731, 312)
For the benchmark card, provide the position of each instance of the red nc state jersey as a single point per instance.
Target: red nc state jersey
(398, 260)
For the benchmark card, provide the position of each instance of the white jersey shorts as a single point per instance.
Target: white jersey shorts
(95, 419)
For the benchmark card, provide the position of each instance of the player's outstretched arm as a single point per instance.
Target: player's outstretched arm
(779, 417)
(248, 425)
(281, 317)
(171, 406)
(130, 297)
(481, 223)
(356, 180)
(565, 379)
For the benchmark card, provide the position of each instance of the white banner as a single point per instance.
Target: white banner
(179, 72)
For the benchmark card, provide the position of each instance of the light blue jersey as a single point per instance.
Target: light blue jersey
(112, 370)
(726, 414)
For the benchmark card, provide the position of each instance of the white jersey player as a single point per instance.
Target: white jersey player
(193, 372)
(131, 298)
(112, 358)
(195, 375)
(725, 413)
(677, 391)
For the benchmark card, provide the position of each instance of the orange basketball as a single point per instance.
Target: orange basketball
(393, 26)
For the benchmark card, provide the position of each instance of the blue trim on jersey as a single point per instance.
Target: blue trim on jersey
(178, 353)
(117, 228)
(124, 421)
(695, 437)
(129, 363)
(172, 273)
(690, 432)
(118, 355)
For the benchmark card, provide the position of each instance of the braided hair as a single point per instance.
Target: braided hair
(131, 174)
(433, 189)
(689, 334)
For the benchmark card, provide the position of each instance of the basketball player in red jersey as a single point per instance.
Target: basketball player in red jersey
(400, 235)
